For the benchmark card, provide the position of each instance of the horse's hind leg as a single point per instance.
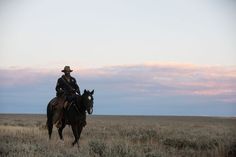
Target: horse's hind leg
(61, 129)
(49, 126)
(75, 132)
(49, 119)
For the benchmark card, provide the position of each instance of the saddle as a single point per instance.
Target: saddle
(60, 103)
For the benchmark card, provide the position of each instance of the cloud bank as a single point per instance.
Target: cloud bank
(146, 89)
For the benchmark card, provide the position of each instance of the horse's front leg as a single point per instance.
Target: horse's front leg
(75, 132)
(80, 128)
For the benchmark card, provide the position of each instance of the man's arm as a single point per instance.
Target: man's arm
(58, 86)
(77, 90)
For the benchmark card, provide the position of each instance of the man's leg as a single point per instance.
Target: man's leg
(59, 121)
(61, 112)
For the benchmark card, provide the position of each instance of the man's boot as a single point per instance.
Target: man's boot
(59, 123)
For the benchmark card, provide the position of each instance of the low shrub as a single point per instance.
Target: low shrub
(97, 148)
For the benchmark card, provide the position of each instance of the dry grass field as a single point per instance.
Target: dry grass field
(121, 136)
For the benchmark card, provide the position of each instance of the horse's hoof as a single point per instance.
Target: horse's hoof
(62, 142)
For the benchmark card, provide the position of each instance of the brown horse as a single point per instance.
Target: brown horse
(74, 115)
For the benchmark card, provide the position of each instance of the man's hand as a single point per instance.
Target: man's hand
(78, 92)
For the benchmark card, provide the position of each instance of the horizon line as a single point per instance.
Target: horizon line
(131, 115)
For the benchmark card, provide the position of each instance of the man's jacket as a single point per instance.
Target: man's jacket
(67, 87)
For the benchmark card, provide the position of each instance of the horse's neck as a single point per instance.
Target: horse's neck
(80, 106)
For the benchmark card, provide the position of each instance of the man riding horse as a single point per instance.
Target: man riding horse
(69, 107)
(67, 89)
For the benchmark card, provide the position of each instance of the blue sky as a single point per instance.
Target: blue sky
(150, 57)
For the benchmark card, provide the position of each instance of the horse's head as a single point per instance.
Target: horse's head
(88, 100)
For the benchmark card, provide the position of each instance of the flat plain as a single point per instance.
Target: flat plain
(121, 136)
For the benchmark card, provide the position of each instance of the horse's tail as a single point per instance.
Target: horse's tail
(49, 119)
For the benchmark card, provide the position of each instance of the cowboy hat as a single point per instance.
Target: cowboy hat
(67, 69)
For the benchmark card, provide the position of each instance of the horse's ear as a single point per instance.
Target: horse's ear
(85, 91)
(92, 92)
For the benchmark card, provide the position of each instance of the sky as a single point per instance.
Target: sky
(149, 57)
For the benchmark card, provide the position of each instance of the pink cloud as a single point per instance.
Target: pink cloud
(143, 79)
(11, 77)
(174, 79)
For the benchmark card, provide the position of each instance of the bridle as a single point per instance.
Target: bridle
(84, 104)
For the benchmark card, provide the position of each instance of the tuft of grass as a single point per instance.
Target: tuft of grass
(122, 150)
(97, 148)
